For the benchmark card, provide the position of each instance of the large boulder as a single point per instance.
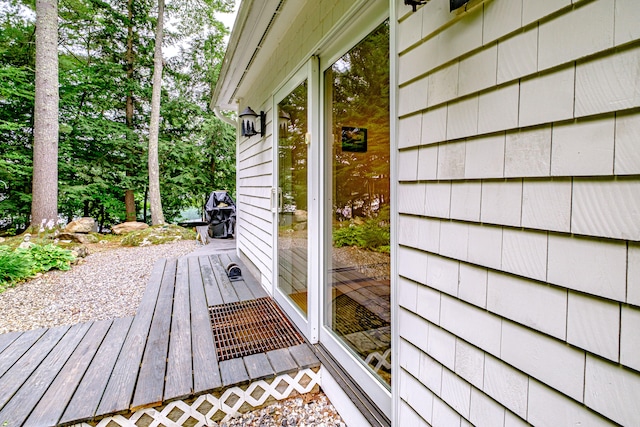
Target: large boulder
(79, 237)
(81, 225)
(128, 227)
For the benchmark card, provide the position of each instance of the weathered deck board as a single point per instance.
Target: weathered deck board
(304, 356)
(15, 377)
(258, 366)
(117, 394)
(226, 288)
(87, 396)
(150, 385)
(52, 405)
(281, 360)
(210, 283)
(25, 399)
(256, 288)
(7, 339)
(205, 362)
(17, 348)
(179, 382)
(241, 287)
(233, 372)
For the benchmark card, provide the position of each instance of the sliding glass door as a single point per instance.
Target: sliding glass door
(357, 312)
(292, 199)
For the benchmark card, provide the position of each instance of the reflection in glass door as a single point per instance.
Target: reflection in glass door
(357, 298)
(292, 197)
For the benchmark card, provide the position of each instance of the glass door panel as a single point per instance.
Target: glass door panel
(292, 197)
(357, 310)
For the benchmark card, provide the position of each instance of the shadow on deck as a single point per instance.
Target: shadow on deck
(161, 365)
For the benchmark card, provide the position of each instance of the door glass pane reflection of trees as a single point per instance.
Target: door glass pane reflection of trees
(292, 195)
(358, 311)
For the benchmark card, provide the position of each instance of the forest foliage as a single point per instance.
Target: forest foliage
(101, 155)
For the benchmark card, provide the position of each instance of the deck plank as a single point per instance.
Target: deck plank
(205, 363)
(233, 372)
(19, 347)
(20, 371)
(258, 366)
(31, 391)
(150, 385)
(240, 286)
(224, 284)
(282, 361)
(117, 395)
(254, 286)
(54, 401)
(304, 356)
(7, 339)
(86, 398)
(211, 289)
(179, 381)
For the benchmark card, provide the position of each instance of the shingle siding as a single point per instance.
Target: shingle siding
(520, 227)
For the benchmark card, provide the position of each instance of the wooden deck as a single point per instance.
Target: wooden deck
(165, 352)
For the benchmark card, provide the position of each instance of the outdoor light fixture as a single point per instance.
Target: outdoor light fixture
(415, 3)
(248, 118)
(283, 121)
(453, 4)
(456, 4)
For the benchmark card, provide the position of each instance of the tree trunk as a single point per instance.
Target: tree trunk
(129, 199)
(130, 205)
(157, 217)
(44, 205)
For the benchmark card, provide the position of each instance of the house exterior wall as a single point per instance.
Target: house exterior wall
(519, 213)
(255, 154)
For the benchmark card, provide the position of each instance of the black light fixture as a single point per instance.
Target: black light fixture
(248, 119)
(283, 121)
(415, 3)
(456, 4)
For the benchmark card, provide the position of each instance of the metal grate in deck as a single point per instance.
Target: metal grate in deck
(249, 327)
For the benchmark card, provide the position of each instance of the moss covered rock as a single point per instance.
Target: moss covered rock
(158, 235)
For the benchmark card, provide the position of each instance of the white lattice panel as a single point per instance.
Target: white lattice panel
(201, 411)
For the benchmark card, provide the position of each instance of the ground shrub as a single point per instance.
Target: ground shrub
(22, 263)
(373, 235)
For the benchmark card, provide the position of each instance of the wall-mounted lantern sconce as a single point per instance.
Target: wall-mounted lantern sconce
(453, 4)
(248, 119)
(284, 119)
(415, 3)
(456, 4)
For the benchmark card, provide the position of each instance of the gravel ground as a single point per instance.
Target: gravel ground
(107, 284)
(307, 410)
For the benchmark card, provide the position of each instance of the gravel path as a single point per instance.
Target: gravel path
(107, 284)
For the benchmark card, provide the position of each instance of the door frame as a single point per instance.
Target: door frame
(309, 325)
(366, 19)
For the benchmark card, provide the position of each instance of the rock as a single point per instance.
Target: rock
(80, 252)
(300, 215)
(128, 227)
(1, 239)
(79, 237)
(81, 225)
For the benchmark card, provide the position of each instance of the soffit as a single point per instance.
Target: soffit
(258, 30)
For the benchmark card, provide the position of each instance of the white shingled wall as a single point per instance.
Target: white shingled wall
(519, 201)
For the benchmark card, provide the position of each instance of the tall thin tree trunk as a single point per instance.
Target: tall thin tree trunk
(44, 206)
(157, 217)
(129, 199)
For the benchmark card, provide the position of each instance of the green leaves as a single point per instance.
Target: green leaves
(20, 264)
